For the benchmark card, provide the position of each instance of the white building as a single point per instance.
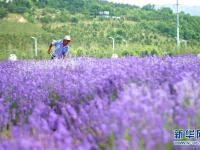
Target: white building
(105, 14)
(116, 17)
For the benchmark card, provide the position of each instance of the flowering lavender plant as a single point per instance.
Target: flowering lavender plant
(84, 103)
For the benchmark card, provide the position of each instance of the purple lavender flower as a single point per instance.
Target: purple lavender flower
(126, 103)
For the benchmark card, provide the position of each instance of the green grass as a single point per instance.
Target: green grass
(89, 38)
(8, 27)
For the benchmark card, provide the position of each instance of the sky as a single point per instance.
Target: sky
(158, 2)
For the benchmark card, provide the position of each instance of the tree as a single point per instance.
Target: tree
(166, 11)
(74, 20)
(94, 10)
(148, 7)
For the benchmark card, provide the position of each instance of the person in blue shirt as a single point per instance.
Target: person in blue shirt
(61, 48)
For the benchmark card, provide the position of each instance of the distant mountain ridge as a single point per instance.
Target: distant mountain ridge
(192, 10)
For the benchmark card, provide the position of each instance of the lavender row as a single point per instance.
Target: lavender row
(127, 103)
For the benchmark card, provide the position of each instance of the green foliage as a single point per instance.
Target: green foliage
(3, 12)
(147, 30)
(166, 28)
(29, 17)
(19, 6)
(149, 7)
(18, 28)
(63, 17)
(46, 19)
(166, 11)
(74, 19)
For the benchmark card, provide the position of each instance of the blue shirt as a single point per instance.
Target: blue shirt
(59, 50)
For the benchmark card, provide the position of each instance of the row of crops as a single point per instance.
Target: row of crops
(90, 104)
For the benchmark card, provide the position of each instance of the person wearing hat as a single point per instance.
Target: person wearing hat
(61, 48)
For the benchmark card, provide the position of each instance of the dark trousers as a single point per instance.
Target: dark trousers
(52, 57)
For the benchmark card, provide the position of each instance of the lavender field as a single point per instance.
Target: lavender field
(91, 104)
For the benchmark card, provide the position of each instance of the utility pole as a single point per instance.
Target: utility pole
(177, 26)
(113, 43)
(36, 48)
(126, 42)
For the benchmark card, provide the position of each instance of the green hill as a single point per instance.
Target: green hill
(145, 29)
